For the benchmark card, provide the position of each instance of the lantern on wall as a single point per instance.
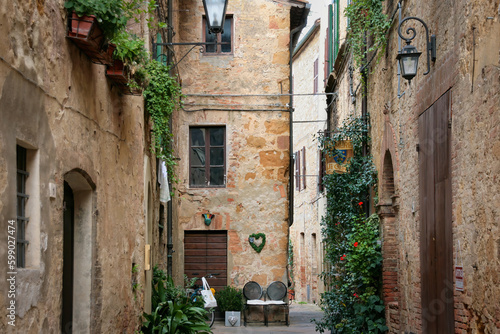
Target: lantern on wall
(408, 56)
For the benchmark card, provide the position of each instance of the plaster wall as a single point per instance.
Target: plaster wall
(55, 101)
(309, 203)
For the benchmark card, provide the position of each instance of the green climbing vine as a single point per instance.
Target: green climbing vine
(366, 21)
(162, 96)
(352, 302)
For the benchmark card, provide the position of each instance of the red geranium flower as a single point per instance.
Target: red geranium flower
(360, 203)
(342, 258)
(356, 244)
(355, 295)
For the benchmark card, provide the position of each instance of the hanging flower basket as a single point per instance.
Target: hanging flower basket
(85, 32)
(119, 73)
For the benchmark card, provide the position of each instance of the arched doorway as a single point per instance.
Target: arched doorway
(78, 242)
(388, 212)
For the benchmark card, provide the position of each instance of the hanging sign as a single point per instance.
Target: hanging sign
(340, 159)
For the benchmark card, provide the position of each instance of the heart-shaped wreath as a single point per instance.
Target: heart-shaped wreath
(252, 239)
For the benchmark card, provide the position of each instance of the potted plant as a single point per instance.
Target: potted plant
(92, 23)
(230, 302)
(128, 67)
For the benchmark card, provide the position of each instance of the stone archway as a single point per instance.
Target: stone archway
(388, 212)
(78, 245)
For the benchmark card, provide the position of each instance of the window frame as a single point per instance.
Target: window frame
(22, 197)
(207, 147)
(219, 37)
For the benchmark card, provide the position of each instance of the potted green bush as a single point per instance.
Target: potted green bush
(230, 302)
(130, 59)
(92, 23)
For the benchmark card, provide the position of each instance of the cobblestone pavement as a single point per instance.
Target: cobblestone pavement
(300, 322)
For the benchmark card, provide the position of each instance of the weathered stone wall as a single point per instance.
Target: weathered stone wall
(467, 64)
(55, 101)
(309, 119)
(254, 198)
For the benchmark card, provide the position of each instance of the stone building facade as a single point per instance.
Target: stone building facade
(435, 144)
(80, 150)
(235, 119)
(309, 119)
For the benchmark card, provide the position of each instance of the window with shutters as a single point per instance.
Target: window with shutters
(300, 169)
(207, 156)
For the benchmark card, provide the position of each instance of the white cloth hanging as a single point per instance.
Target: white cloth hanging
(163, 180)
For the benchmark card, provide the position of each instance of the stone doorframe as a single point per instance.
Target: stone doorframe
(84, 294)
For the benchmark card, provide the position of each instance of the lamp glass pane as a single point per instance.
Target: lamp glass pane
(409, 65)
(215, 12)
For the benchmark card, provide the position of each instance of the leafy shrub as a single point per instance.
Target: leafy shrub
(173, 312)
(229, 299)
(352, 246)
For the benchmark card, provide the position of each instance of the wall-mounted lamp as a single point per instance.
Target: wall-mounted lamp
(207, 218)
(215, 10)
(408, 56)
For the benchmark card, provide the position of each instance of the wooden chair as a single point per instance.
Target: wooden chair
(277, 292)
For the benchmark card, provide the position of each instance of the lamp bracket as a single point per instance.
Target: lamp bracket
(193, 44)
(411, 33)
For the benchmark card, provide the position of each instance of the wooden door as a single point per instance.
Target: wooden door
(436, 241)
(205, 252)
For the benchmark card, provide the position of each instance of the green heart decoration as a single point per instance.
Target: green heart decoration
(252, 239)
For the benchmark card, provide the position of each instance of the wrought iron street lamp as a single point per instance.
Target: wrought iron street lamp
(408, 56)
(215, 10)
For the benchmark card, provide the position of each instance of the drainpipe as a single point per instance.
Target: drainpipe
(364, 117)
(170, 244)
(303, 23)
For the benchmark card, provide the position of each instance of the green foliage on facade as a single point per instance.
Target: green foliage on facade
(352, 302)
(162, 96)
(367, 23)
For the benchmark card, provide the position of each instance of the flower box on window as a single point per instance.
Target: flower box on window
(85, 32)
(120, 74)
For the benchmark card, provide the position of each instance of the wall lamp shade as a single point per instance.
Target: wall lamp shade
(408, 61)
(408, 56)
(215, 10)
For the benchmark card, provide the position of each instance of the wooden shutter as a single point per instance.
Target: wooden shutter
(321, 172)
(297, 170)
(315, 88)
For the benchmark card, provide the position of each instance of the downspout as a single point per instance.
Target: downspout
(170, 244)
(303, 23)
(364, 116)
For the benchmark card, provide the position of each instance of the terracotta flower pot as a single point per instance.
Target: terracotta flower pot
(119, 74)
(85, 32)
